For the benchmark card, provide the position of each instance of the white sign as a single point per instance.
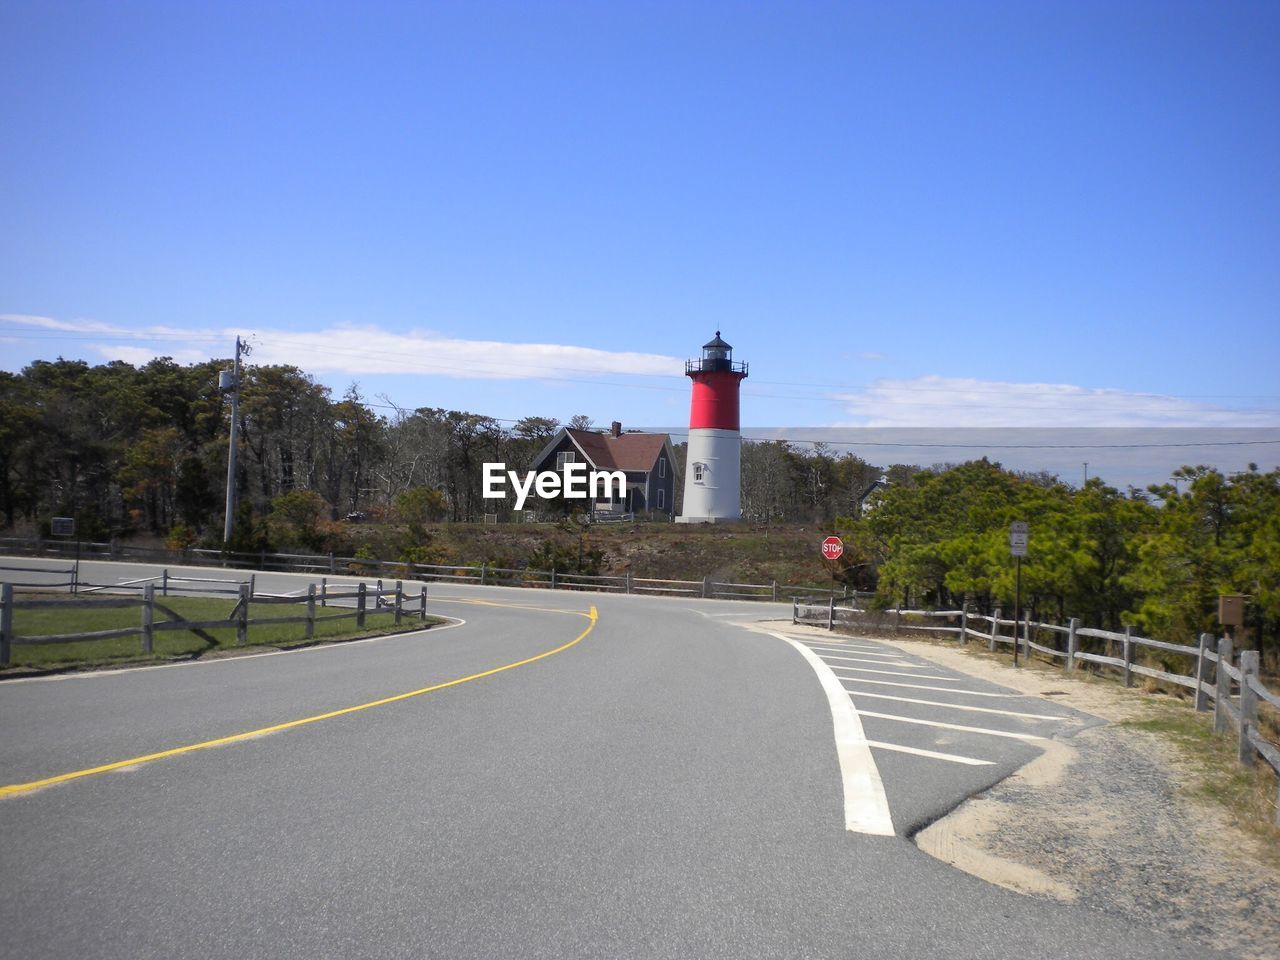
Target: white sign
(1018, 535)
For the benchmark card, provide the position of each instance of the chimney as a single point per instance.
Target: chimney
(616, 428)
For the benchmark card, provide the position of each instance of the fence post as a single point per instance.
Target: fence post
(400, 600)
(964, 624)
(553, 578)
(775, 591)
(324, 591)
(897, 619)
(995, 628)
(242, 621)
(831, 613)
(482, 570)
(1072, 642)
(6, 622)
(795, 608)
(1224, 687)
(1202, 670)
(311, 610)
(628, 579)
(422, 611)
(332, 568)
(253, 585)
(360, 602)
(1128, 656)
(164, 582)
(1248, 704)
(706, 587)
(148, 617)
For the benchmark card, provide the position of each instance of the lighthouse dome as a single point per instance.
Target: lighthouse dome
(716, 354)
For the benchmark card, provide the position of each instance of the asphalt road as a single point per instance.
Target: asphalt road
(666, 786)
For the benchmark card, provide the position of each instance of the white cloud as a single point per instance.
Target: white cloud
(65, 326)
(934, 401)
(363, 349)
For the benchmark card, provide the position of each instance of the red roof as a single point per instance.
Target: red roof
(636, 452)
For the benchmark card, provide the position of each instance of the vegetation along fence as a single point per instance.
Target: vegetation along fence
(393, 599)
(1214, 671)
(363, 566)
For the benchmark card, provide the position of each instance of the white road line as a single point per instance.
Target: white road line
(955, 706)
(861, 653)
(921, 686)
(931, 754)
(814, 641)
(878, 663)
(892, 673)
(952, 726)
(850, 649)
(866, 807)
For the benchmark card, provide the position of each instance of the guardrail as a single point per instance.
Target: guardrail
(391, 598)
(484, 574)
(1235, 689)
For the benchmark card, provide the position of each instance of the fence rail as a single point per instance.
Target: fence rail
(1236, 690)
(393, 598)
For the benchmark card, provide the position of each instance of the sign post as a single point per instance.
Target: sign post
(832, 550)
(1018, 534)
(66, 527)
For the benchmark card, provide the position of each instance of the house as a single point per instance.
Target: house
(647, 459)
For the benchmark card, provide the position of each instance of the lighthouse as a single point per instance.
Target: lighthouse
(712, 476)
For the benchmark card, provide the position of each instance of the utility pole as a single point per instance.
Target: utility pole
(1086, 473)
(229, 381)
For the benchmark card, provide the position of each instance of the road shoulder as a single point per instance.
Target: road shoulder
(1106, 819)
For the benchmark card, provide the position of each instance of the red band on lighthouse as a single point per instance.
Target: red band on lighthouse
(715, 401)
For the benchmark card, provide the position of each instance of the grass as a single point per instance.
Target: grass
(1247, 795)
(85, 615)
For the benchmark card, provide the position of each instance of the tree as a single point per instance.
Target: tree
(296, 519)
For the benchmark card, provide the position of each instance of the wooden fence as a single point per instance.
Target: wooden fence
(394, 599)
(707, 587)
(1214, 672)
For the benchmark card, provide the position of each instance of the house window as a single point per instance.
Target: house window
(563, 457)
(697, 473)
(662, 467)
(662, 499)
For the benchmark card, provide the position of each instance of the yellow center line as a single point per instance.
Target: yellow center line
(14, 789)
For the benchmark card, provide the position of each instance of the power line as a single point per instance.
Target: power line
(1002, 446)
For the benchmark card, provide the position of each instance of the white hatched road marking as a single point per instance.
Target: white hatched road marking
(891, 673)
(866, 806)
(952, 726)
(953, 706)
(849, 648)
(931, 754)
(823, 651)
(875, 662)
(921, 686)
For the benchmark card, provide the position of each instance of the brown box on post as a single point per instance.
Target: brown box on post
(1231, 610)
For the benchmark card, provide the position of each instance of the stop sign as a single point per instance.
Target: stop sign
(832, 548)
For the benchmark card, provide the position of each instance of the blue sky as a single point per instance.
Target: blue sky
(907, 214)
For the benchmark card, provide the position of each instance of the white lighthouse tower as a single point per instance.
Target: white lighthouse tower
(712, 490)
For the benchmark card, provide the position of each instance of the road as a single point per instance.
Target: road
(664, 780)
